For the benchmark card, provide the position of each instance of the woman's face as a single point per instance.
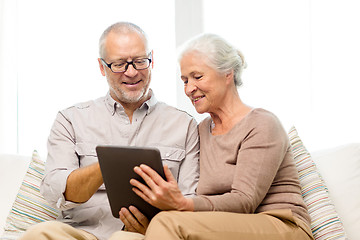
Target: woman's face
(204, 86)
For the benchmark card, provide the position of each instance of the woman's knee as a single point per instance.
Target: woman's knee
(123, 235)
(165, 217)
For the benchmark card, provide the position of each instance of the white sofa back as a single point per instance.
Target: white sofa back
(12, 171)
(340, 169)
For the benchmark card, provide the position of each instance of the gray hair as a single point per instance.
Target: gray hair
(121, 27)
(217, 53)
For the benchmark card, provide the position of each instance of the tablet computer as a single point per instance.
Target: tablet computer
(117, 167)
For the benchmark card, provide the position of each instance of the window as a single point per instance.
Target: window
(55, 44)
(302, 60)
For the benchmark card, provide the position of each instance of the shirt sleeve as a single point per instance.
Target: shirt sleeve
(189, 169)
(61, 161)
(259, 157)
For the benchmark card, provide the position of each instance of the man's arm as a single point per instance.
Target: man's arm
(65, 183)
(82, 183)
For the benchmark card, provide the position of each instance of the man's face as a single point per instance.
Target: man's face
(131, 86)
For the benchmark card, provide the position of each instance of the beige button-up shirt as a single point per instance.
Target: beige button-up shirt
(79, 129)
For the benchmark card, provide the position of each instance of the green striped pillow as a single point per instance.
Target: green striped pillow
(29, 207)
(325, 222)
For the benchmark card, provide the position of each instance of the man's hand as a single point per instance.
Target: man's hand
(134, 220)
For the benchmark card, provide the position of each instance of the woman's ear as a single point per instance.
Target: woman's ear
(229, 77)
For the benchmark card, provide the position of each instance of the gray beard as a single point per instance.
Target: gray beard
(127, 98)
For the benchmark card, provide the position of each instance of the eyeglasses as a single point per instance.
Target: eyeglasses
(122, 66)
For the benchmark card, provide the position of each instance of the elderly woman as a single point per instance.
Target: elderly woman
(248, 187)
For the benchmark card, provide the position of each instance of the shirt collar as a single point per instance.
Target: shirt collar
(148, 105)
(110, 103)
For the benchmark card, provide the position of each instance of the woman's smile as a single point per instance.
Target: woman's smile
(196, 99)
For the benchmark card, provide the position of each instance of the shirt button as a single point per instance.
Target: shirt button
(167, 154)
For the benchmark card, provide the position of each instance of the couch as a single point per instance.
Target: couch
(330, 181)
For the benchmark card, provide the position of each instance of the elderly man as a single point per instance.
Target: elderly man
(128, 115)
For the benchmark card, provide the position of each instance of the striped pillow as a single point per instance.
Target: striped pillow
(325, 223)
(29, 206)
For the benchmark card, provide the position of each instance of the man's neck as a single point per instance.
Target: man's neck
(130, 108)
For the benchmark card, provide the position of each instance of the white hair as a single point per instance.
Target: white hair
(121, 27)
(218, 53)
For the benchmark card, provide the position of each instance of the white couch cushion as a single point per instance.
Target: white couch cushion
(340, 168)
(325, 222)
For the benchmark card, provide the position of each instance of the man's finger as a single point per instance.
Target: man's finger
(131, 222)
(139, 216)
(124, 217)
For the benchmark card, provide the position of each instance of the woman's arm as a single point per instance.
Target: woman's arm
(246, 170)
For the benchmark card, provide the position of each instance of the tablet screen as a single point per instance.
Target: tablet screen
(117, 167)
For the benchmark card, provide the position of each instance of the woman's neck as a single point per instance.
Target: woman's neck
(230, 113)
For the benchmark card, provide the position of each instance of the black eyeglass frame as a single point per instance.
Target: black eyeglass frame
(128, 63)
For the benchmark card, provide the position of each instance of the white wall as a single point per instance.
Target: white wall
(57, 50)
(302, 60)
(189, 22)
(335, 48)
